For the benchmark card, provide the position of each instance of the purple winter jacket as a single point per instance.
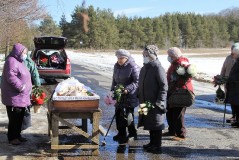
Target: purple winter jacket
(14, 77)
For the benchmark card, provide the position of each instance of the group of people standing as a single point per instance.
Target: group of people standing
(149, 84)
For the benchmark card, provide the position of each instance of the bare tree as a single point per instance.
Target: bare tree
(15, 17)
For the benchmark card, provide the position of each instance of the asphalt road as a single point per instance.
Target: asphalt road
(206, 137)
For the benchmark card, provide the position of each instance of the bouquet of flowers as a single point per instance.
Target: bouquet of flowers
(144, 108)
(117, 93)
(108, 99)
(219, 80)
(38, 98)
(43, 61)
(186, 72)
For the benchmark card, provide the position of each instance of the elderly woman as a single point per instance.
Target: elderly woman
(233, 87)
(126, 74)
(16, 89)
(175, 114)
(226, 68)
(153, 88)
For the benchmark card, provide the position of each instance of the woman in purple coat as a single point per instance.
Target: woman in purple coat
(126, 73)
(16, 88)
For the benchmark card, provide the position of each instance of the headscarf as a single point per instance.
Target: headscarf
(152, 51)
(175, 52)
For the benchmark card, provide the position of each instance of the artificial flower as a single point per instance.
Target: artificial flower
(43, 61)
(117, 93)
(108, 99)
(38, 96)
(181, 70)
(192, 70)
(144, 108)
(219, 80)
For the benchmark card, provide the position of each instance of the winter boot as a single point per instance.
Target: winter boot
(157, 141)
(147, 146)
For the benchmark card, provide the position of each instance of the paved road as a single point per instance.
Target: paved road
(207, 139)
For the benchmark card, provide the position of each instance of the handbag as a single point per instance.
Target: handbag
(181, 98)
(26, 123)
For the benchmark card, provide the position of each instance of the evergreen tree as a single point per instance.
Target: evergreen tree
(48, 27)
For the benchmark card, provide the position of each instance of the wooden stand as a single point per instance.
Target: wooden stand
(56, 116)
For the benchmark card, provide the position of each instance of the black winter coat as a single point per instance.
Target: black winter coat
(128, 76)
(153, 88)
(233, 85)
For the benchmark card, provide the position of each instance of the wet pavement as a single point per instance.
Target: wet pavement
(206, 137)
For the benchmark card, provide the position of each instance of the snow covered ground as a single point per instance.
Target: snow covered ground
(207, 66)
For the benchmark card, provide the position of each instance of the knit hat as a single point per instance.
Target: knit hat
(175, 52)
(122, 53)
(236, 50)
(152, 51)
(234, 45)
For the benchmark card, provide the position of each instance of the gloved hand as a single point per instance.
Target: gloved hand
(161, 107)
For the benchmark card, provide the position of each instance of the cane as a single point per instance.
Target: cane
(103, 142)
(224, 114)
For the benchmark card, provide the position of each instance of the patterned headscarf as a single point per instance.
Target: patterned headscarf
(152, 51)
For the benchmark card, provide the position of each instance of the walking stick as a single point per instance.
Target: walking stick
(103, 142)
(224, 114)
(119, 104)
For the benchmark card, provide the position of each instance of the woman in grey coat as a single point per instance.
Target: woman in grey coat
(233, 87)
(126, 73)
(153, 88)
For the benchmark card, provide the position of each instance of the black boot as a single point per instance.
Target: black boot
(236, 122)
(116, 137)
(157, 141)
(122, 138)
(146, 146)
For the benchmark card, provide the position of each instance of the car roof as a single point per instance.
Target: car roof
(50, 42)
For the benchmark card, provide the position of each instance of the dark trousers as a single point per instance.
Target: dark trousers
(236, 110)
(233, 107)
(122, 121)
(15, 117)
(175, 119)
(156, 137)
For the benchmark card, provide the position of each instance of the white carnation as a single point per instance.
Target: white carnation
(192, 70)
(181, 70)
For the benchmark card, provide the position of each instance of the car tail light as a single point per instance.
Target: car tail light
(68, 61)
(68, 66)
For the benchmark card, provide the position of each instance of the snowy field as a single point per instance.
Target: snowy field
(207, 66)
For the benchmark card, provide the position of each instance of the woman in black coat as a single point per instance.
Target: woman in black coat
(153, 88)
(233, 86)
(126, 73)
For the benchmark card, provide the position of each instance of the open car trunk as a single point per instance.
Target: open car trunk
(51, 59)
(50, 42)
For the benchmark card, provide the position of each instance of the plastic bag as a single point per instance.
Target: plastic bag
(26, 123)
